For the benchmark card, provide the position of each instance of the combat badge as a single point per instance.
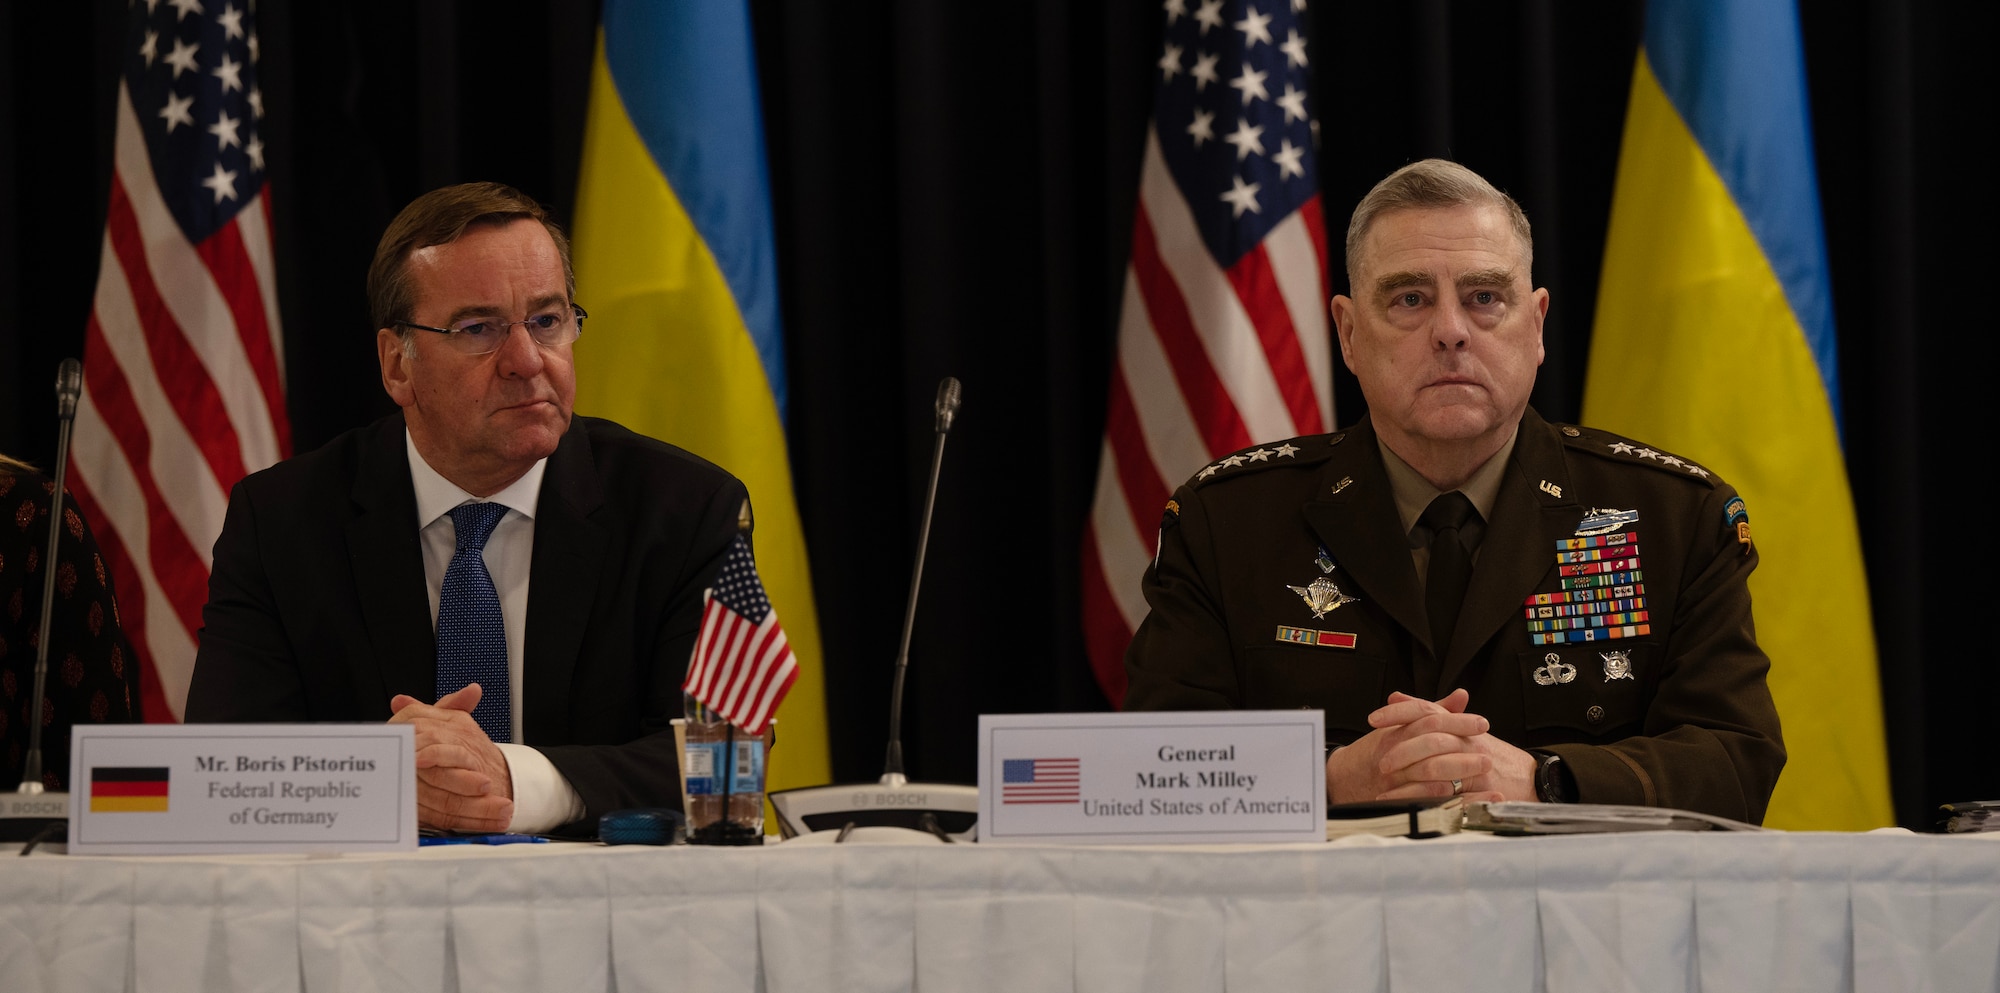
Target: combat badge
(1553, 671)
(1735, 515)
(1617, 665)
(1600, 521)
(1322, 596)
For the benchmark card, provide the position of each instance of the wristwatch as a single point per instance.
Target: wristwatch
(1553, 782)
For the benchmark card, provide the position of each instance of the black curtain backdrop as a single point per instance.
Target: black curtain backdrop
(953, 187)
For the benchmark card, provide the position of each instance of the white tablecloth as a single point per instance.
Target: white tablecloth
(1887, 911)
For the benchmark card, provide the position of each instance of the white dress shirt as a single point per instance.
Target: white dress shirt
(543, 799)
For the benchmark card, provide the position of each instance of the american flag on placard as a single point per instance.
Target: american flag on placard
(742, 667)
(1041, 780)
(1222, 336)
(183, 386)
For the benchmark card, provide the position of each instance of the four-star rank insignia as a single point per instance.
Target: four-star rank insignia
(1658, 458)
(1284, 451)
(1322, 596)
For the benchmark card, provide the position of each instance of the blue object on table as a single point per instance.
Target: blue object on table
(642, 826)
(483, 839)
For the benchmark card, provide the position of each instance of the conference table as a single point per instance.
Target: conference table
(1887, 911)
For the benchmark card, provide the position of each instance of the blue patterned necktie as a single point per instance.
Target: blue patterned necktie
(471, 641)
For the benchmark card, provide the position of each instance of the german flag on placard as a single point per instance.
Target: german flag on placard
(128, 789)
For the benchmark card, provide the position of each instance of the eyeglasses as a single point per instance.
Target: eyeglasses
(474, 336)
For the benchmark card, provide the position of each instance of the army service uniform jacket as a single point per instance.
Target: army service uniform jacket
(1644, 674)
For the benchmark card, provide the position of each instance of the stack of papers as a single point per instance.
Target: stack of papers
(1590, 818)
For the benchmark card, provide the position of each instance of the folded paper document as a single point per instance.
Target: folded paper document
(1590, 818)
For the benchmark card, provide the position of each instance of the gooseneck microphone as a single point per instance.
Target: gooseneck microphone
(33, 810)
(894, 807)
(947, 408)
(69, 386)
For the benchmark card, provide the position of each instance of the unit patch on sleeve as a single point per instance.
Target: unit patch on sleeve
(1735, 516)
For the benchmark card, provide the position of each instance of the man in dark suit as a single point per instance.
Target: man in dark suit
(1459, 584)
(343, 579)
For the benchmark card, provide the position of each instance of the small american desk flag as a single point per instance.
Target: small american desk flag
(742, 666)
(1041, 780)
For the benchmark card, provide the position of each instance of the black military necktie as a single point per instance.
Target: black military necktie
(1450, 566)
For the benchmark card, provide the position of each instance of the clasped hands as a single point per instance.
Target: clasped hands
(463, 783)
(1419, 746)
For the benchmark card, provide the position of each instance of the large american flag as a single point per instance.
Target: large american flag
(183, 391)
(742, 666)
(1222, 337)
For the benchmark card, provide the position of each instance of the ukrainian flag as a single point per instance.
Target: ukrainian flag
(675, 260)
(1714, 338)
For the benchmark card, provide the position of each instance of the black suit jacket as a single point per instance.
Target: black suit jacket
(1693, 726)
(317, 608)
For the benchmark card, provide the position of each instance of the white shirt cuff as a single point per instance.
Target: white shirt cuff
(543, 799)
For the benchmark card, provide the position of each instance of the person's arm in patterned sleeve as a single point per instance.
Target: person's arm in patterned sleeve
(93, 676)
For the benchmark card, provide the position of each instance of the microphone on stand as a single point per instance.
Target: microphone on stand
(947, 408)
(943, 810)
(32, 811)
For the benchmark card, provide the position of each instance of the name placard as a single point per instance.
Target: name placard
(179, 789)
(1235, 775)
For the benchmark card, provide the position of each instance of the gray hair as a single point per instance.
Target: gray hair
(1428, 185)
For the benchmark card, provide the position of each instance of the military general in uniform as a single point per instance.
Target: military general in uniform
(1483, 603)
